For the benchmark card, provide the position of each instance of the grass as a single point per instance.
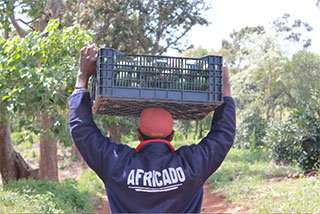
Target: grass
(43, 197)
(69, 196)
(254, 183)
(289, 196)
(79, 195)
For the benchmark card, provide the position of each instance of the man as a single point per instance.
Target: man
(153, 177)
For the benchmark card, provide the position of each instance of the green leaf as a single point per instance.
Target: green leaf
(5, 97)
(15, 90)
(253, 140)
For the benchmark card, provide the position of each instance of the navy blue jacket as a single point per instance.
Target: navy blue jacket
(154, 178)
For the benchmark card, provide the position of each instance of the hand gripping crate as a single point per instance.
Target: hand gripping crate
(125, 84)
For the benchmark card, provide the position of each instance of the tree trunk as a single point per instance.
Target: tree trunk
(200, 131)
(9, 171)
(114, 133)
(268, 113)
(22, 33)
(12, 165)
(6, 34)
(271, 94)
(48, 151)
(186, 132)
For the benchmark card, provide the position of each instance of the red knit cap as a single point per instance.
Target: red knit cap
(155, 122)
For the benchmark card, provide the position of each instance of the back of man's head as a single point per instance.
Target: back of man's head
(155, 123)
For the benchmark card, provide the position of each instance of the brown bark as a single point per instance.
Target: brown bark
(52, 12)
(48, 151)
(7, 165)
(6, 34)
(22, 33)
(12, 165)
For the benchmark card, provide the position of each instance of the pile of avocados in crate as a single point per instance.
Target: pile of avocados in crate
(125, 84)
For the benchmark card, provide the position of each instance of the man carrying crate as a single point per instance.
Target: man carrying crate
(153, 177)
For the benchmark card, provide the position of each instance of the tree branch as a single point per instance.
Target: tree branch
(22, 33)
(26, 23)
(106, 25)
(176, 40)
(140, 21)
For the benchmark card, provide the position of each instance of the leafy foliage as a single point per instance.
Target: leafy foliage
(292, 31)
(38, 74)
(137, 26)
(298, 139)
(251, 129)
(299, 76)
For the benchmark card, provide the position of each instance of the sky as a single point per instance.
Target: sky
(228, 15)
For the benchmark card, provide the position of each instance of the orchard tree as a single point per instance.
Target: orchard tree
(37, 76)
(40, 13)
(235, 51)
(300, 76)
(258, 82)
(139, 26)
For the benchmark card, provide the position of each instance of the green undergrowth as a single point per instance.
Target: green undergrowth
(254, 183)
(69, 196)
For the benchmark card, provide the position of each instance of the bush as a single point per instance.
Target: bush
(30, 196)
(91, 182)
(298, 139)
(251, 129)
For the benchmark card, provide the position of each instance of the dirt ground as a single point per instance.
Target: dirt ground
(213, 202)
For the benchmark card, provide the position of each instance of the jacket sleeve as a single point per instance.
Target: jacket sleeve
(97, 150)
(208, 155)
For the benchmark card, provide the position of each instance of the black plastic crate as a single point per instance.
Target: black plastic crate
(125, 84)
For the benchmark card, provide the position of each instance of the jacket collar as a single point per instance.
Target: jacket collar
(154, 140)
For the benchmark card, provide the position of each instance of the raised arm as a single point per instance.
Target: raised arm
(208, 155)
(97, 150)
(219, 140)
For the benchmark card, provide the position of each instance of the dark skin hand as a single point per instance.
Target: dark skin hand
(87, 68)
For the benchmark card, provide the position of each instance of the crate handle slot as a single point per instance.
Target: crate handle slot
(131, 59)
(191, 62)
(161, 60)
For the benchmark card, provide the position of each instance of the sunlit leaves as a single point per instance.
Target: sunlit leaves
(38, 72)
